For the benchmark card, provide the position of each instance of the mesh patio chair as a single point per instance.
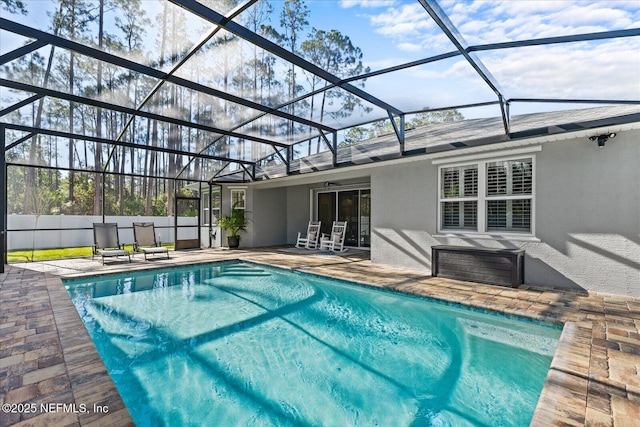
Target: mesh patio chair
(106, 242)
(310, 240)
(144, 234)
(335, 241)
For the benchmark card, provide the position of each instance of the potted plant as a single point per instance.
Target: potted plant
(233, 224)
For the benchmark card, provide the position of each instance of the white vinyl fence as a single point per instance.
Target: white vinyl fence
(67, 231)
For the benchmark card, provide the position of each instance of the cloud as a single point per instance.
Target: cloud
(409, 47)
(605, 70)
(601, 69)
(347, 4)
(490, 22)
(407, 20)
(481, 22)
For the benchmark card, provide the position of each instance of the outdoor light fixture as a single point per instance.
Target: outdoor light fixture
(602, 138)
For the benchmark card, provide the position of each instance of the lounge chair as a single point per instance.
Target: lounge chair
(335, 241)
(106, 242)
(310, 240)
(144, 234)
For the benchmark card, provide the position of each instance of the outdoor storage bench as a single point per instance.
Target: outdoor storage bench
(475, 264)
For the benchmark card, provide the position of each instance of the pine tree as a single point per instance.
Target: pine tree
(71, 21)
(293, 20)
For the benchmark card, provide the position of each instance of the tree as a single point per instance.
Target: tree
(29, 68)
(13, 6)
(382, 127)
(97, 155)
(260, 75)
(422, 119)
(355, 134)
(293, 20)
(71, 21)
(335, 53)
(131, 22)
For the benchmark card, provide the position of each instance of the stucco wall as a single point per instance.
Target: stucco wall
(246, 238)
(269, 217)
(297, 211)
(275, 214)
(403, 206)
(587, 216)
(280, 210)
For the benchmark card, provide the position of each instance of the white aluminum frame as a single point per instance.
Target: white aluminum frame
(482, 198)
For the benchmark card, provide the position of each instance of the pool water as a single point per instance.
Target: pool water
(241, 344)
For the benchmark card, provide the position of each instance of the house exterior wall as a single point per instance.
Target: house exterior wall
(298, 199)
(403, 214)
(269, 217)
(586, 213)
(246, 238)
(273, 214)
(587, 216)
(278, 213)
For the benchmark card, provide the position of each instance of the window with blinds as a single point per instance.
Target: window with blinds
(505, 200)
(459, 193)
(509, 192)
(509, 177)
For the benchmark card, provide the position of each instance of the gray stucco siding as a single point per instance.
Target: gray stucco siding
(586, 213)
(403, 214)
(587, 216)
(297, 211)
(269, 217)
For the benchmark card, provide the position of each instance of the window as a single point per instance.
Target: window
(509, 194)
(505, 199)
(205, 210)
(459, 192)
(238, 199)
(215, 206)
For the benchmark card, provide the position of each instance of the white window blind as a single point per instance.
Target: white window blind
(505, 201)
(507, 181)
(459, 192)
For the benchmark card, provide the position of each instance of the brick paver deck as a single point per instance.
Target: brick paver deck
(52, 375)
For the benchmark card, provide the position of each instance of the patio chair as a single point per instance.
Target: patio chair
(335, 241)
(144, 235)
(106, 242)
(310, 240)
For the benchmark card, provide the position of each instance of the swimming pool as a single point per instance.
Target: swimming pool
(243, 344)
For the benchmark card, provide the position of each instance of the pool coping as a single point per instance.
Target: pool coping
(593, 378)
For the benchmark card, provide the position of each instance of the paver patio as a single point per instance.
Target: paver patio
(47, 357)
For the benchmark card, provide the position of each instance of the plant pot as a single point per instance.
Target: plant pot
(233, 242)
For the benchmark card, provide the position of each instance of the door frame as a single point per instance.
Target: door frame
(313, 204)
(187, 243)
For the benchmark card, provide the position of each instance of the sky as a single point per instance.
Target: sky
(401, 31)
(393, 32)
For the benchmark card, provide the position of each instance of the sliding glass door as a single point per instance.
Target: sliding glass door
(326, 211)
(352, 206)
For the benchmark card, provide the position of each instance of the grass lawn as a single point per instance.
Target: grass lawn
(58, 253)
